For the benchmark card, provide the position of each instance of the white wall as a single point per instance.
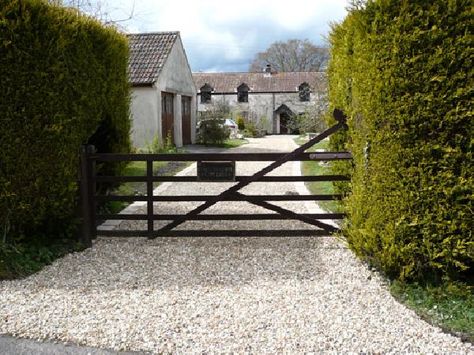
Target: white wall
(262, 105)
(144, 110)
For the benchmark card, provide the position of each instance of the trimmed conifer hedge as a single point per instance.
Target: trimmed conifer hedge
(403, 73)
(63, 80)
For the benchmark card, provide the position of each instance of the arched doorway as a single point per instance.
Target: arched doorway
(283, 117)
(284, 120)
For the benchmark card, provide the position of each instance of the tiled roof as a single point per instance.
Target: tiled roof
(148, 53)
(258, 82)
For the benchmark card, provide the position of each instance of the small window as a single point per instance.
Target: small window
(243, 93)
(206, 92)
(304, 92)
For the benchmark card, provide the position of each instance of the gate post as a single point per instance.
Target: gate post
(149, 194)
(87, 196)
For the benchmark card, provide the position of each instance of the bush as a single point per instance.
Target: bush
(313, 119)
(240, 123)
(250, 130)
(403, 73)
(157, 147)
(212, 131)
(64, 83)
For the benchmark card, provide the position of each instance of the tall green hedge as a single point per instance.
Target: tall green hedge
(403, 73)
(63, 83)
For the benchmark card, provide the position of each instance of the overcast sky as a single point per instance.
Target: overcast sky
(222, 35)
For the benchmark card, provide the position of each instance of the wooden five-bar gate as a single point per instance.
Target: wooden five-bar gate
(224, 162)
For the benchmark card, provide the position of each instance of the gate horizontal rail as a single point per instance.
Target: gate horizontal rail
(216, 233)
(217, 217)
(317, 156)
(194, 198)
(237, 178)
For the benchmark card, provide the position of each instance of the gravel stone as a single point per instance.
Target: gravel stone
(219, 295)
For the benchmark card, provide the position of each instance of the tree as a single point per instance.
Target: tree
(211, 124)
(100, 9)
(292, 55)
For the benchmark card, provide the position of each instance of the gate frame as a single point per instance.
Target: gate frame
(89, 198)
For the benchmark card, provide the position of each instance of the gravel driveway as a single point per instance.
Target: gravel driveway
(194, 295)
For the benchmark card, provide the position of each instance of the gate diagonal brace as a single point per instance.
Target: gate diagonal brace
(253, 178)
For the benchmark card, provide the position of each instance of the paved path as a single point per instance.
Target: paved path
(17, 346)
(215, 295)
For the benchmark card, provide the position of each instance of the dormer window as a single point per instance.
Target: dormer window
(243, 93)
(304, 92)
(206, 92)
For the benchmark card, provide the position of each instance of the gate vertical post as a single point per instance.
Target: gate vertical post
(149, 193)
(92, 191)
(86, 203)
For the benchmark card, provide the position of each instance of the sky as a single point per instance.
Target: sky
(224, 36)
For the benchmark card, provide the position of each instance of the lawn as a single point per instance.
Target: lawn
(229, 143)
(319, 168)
(449, 306)
(138, 168)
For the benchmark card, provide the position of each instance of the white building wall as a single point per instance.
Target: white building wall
(144, 110)
(261, 107)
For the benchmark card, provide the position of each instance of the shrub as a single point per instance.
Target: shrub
(250, 130)
(212, 131)
(240, 123)
(64, 83)
(313, 119)
(263, 124)
(403, 73)
(156, 146)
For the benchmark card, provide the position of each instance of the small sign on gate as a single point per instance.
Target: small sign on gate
(217, 171)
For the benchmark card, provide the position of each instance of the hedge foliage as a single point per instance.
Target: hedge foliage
(63, 80)
(403, 73)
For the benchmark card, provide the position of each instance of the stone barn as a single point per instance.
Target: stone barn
(267, 98)
(163, 92)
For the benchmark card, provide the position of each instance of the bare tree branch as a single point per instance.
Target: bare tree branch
(292, 55)
(99, 9)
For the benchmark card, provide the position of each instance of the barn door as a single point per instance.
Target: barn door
(167, 116)
(186, 119)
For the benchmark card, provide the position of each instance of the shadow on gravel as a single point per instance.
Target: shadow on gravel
(171, 263)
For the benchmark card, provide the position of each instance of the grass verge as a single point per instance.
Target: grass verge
(229, 143)
(319, 168)
(138, 168)
(449, 306)
(25, 258)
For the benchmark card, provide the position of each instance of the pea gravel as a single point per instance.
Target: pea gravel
(219, 295)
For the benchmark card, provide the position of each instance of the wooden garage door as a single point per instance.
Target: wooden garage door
(167, 115)
(186, 119)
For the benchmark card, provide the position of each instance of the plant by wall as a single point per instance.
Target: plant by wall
(212, 131)
(64, 83)
(403, 73)
(240, 123)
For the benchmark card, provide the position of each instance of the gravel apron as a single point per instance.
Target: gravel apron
(215, 295)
